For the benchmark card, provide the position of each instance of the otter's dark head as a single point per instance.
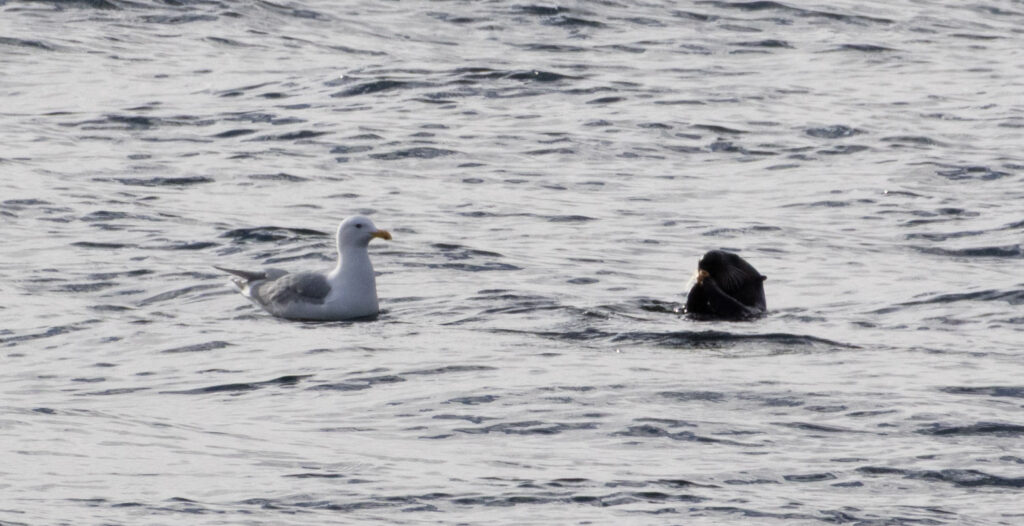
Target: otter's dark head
(727, 269)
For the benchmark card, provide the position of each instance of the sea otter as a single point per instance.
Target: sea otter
(727, 288)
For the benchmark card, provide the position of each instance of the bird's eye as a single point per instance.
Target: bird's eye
(360, 225)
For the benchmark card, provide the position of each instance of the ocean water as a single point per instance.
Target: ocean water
(551, 173)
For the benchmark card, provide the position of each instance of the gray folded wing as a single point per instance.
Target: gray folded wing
(302, 287)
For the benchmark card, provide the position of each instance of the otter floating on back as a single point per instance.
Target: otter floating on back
(727, 288)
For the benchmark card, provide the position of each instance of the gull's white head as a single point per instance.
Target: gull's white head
(358, 231)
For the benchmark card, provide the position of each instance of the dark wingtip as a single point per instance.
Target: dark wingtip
(244, 274)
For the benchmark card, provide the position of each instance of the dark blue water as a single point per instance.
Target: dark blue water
(551, 174)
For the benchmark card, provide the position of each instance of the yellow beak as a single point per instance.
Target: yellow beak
(383, 234)
(702, 275)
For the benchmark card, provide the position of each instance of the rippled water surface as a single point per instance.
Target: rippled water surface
(551, 174)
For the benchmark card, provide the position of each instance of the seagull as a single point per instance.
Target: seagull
(727, 288)
(347, 292)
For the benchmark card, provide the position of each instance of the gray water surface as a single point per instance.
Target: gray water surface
(551, 174)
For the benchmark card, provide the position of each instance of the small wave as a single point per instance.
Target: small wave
(422, 152)
(85, 287)
(727, 147)
(533, 427)
(280, 176)
(689, 396)
(830, 203)
(675, 339)
(998, 390)
(551, 151)
(233, 133)
(864, 48)
(769, 43)
(705, 338)
(451, 369)
(119, 274)
(226, 42)
(315, 255)
(537, 76)
(19, 204)
(198, 347)
(557, 16)
(184, 245)
(1013, 297)
(18, 42)
(552, 48)
(973, 36)
(473, 400)
(455, 19)
(468, 418)
(109, 215)
(601, 501)
(633, 49)
(129, 122)
(164, 181)
(606, 100)
(718, 129)
(766, 5)
(743, 231)
(466, 267)
(291, 136)
(178, 19)
(283, 381)
(546, 493)
(572, 21)
(541, 10)
(833, 132)
(959, 477)
(459, 252)
(48, 333)
(169, 295)
(263, 234)
(960, 173)
(1007, 251)
(942, 236)
(804, 426)
(981, 428)
(117, 391)
(810, 477)
(294, 12)
(109, 308)
(303, 476)
(263, 118)
(913, 140)
(377, 86)
(665, 307)
(569, 219)
(844, 149)
(105, 246)
(358, 384)
(81, 4)
(651, 431)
